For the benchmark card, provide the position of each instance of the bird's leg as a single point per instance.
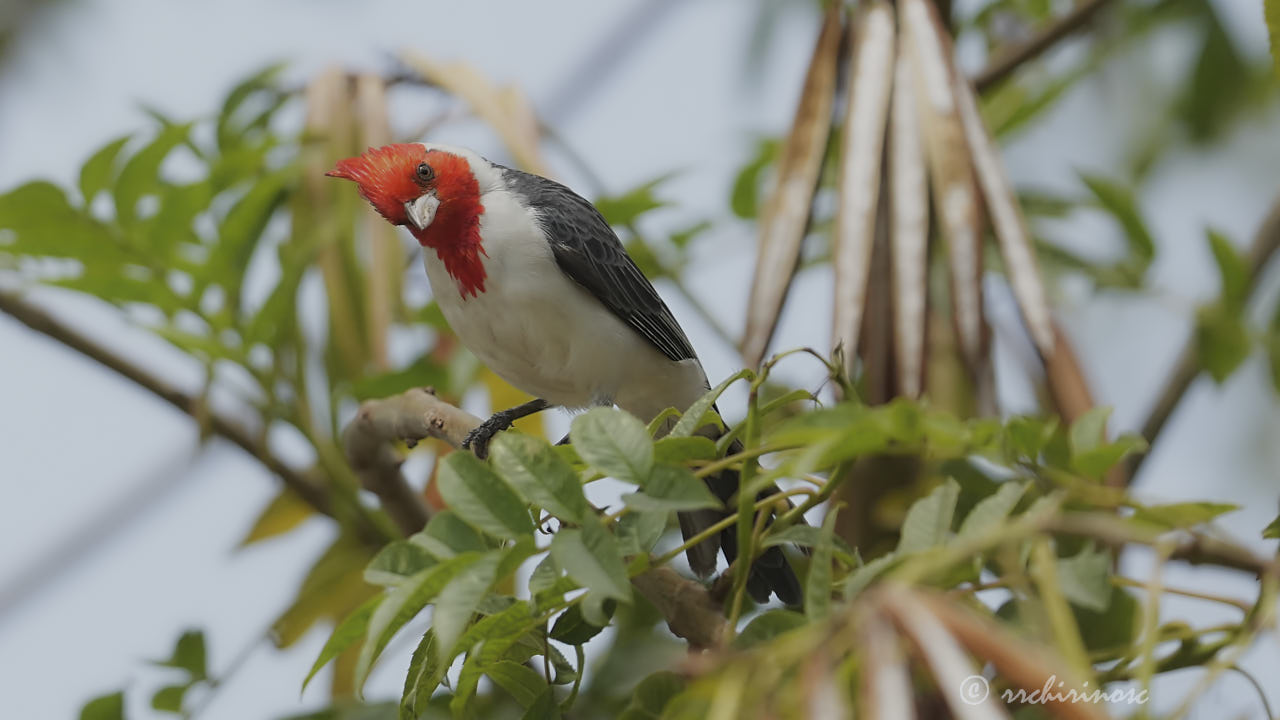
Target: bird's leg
(478, 439)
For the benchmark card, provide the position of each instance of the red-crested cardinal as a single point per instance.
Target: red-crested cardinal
(537, 285)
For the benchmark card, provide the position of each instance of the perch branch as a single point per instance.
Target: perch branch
(1010, 59)
(369, 443)
(687, 606)
(1187, 368)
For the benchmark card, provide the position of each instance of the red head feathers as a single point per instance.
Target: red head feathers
(394, 176)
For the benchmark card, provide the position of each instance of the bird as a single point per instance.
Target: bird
(536, 284)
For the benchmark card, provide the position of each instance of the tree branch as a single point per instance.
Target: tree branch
(1188, 366)
(414, 415)
(308, 484)
(308, 487)
(1010, 59)
(1190, 547)
(368, 440)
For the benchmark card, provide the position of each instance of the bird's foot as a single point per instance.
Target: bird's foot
(478, 439)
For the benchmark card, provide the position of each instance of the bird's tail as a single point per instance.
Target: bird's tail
(771, 574)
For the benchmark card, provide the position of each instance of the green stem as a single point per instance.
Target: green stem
(730, 460)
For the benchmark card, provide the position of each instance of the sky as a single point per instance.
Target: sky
(125, 526)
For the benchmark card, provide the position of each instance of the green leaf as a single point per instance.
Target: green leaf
(458, 601)
(1116, 627)
(1233, 269)
(228, 130)
(1272, 531)
(1027, 436)
(817, 586)
(496, 635)
(347, 632)
(481, 498)
(544, 576)
(627, 208)
(591, 556)
(1180, 516)
(1096, 462)
(169, 698)
(992, 510)
(403, 603)
(766, 626)
(865, 575)
(672, 488)
(544, 707)
(105, 707)
(188, 654)
(447, 535)
(1120, 202)
(1086, 579)
(141, 174)
(570, 628)
(651, 696)
(522, 682)
(682, 238)
(1220, 80)
(747, 185)
(499, 632)
(680, 450)
(596, 608)
(1089, 431)
(172, 228)
(1222, 340)
(285, 512)
(613, 442)
(928, 520)
(242, 228)
(637, 532)
(99, 170)
(397, 562)
(44, 224)
(530, 465)
(695, 417)
(424, 676)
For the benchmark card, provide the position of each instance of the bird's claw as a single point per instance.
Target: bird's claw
(477, 441)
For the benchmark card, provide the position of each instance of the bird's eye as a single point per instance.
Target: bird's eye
(424, 173)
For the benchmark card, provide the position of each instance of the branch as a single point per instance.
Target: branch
(1010, 59)
(368, 440)
(1265, 244)
(1190, 547)
(307, 484)
(414, 415)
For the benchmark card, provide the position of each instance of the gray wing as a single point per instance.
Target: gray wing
(589, 252)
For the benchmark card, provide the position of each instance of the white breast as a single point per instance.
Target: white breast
(547, 336)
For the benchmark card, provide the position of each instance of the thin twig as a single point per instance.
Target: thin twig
(1005, 62)
(1265, 244)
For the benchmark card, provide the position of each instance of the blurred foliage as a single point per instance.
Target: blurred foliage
(213, 235)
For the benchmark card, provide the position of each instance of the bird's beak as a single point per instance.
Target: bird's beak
(422, 211)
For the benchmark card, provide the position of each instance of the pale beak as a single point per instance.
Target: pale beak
(422, 211)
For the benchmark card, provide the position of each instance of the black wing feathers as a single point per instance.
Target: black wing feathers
(589, 252)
